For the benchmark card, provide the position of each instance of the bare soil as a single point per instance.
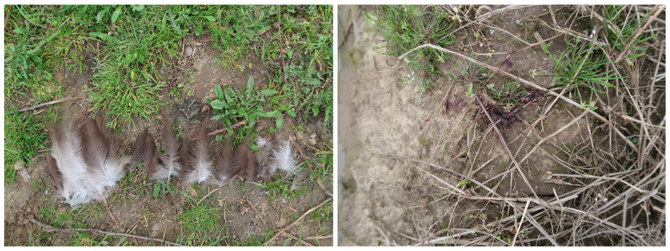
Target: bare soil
(385, 121)
(143, 215)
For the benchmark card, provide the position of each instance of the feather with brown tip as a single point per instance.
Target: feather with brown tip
(144, 149)
(105, 166)
(227, 165)
(199, 164)
(170, 157)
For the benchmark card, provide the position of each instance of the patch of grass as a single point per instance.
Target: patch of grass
(507, 94)
(472, 74)
(123, 99)
(281, 188)
(323, 168)
(406, 27)
(307, 37)
(202, 221)
(622, 26)
(25, 138)
(162, 188)
(579, 66)
(254, 240)
(323, 216)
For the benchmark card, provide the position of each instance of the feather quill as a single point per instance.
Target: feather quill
(199, 164)
(170, 158)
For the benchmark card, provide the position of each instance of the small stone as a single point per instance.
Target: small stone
(190, 51)
(18, 165)
(24, 175)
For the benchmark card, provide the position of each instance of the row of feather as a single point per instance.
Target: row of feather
(85, 164)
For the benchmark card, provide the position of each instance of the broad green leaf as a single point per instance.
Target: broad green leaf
(219, 92)
(291, 112)
(261, 113)
(250, 84)
(470, 90)
(280, 122)
(268, 92)
(253, 147)
(272, 114)
(116, 14)
(138, 7)
(217, 117)
(210, 18)
(462, 183)
(315, 109)
(241, 111)
(218, 104)
(100, 16)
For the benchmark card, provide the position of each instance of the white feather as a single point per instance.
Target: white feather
(282, 158)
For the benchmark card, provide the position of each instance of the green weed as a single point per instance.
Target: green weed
(621, 27)
(579, 66)
(25, 138)
(406, 27)
(203, 221)
(232, 106)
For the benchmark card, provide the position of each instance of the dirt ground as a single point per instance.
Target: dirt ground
(385, 121)
(142, 215)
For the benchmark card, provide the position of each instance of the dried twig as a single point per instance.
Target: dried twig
(299, 218)
(259, 215)
(224, 129)
(53, 229)
(41, 105)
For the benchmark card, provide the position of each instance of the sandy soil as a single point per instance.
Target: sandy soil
(385, 120)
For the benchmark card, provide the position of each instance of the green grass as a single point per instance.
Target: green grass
(129, 47)
(25, 138)
(405, 27)
(626, 25)
(281, 188)
(580, 66)
(203, 221)
(507, 93)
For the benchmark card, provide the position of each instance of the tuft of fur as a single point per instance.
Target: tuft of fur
(199, 164)
(170, 157)
(282, 158)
